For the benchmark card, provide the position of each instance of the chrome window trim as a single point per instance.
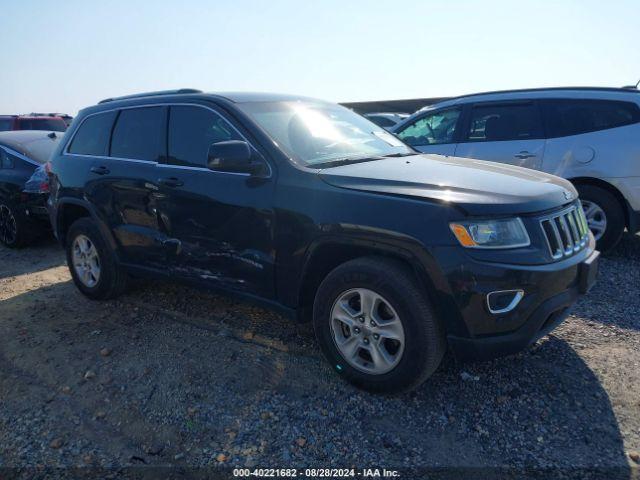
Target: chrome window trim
(201, 169)
(21, 156)
(184, 167)
(104, 157)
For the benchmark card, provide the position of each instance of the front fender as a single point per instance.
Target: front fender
(327, 252)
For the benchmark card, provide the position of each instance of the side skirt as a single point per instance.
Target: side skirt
(153, 274)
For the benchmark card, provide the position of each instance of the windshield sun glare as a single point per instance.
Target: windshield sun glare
(318, 134)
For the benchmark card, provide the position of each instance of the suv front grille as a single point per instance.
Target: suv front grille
(566, 231)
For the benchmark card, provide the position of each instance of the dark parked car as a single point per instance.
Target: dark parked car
(29, 122)
(23, 185)
(310, 208)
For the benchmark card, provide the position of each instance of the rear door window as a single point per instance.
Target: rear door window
(502, 122)
(192, 130)
(138, 134)
(566, 117)
(92, 137)
(432, 129)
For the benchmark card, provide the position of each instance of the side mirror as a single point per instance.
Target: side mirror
(232, 156)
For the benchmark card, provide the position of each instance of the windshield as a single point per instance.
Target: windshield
(321, 134)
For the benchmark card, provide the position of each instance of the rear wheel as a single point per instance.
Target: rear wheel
(16, 229)
(605, 215)
(93, 265)
(376, 326)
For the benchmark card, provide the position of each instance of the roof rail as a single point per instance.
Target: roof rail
(632, 87)
(541, 89)
(152, 94)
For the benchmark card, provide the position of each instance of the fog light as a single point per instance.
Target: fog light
(503, 301)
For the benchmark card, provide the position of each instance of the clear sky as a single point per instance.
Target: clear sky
(65, 54)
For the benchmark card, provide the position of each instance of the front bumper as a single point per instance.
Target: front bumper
(550, 291)
(545, 318)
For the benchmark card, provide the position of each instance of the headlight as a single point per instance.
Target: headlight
(506, 233)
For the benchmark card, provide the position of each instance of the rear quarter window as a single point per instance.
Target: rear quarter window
(576, 116)
(92, 137)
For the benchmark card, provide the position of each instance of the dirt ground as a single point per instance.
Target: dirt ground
(171, 376)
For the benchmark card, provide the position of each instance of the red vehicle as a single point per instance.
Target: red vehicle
(26, 122)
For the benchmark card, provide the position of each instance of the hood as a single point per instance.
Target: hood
(477, 186)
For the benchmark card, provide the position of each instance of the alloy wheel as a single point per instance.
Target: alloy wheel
(8, 226)
(367, 331)
(596, 218)
(86, 261)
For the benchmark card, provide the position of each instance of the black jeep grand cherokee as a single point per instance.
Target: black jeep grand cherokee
(308, 207)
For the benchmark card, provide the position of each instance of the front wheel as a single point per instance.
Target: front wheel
(376, 326)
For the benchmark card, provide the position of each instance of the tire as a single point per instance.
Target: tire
(612, 209)
(423, 346)
(16, 228)
(110, 278)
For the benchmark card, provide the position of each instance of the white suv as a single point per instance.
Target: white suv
(386, 120)
(590, 136)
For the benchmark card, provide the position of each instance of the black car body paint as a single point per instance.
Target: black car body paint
(267, 236)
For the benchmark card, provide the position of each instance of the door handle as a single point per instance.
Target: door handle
(524, 154)
(170, 182)
(101, 170)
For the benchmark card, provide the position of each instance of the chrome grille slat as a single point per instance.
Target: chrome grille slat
(568, 241)
(579, 226)
(566, 231)
(583, 229)
(572, 228)
(576, 223)
(583, 220)
(574, 231)
(558, 239)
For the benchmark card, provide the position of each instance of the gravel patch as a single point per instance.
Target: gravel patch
(171, 376)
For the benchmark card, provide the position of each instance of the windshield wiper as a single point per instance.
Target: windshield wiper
(400, 154)
(346, 161)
